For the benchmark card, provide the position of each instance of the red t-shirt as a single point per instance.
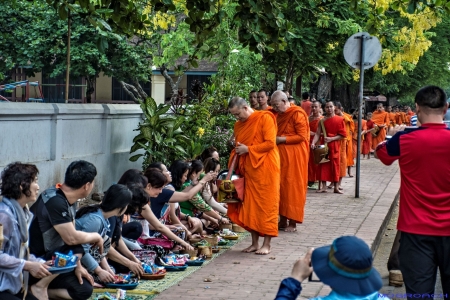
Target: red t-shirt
(306, 105)
(424, 159)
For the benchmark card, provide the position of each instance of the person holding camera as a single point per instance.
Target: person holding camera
(345, 265)
(424, 216)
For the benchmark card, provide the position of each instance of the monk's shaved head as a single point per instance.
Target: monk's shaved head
(237, 102)
(279, 101)
(279, 95)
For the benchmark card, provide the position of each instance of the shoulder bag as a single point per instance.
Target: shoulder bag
(321, 151)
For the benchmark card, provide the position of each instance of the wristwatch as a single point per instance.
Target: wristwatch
(388, 137)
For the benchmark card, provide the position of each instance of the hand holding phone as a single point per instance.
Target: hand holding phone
(302, 267)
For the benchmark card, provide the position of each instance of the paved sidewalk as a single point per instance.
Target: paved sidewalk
(237, 275)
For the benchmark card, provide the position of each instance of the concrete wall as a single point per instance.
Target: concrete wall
(53, 135)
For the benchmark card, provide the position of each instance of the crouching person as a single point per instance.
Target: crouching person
(345, 266)
(19, 188)
(95, 219)
(53, 230)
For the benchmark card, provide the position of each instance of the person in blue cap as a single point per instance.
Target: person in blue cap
(345, 265)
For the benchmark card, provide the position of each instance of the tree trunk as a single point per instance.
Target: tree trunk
(69, 33)
(132, 91)
(298, 86)
(324, 88)
(173, 85)
(90, 84)
(347, 94)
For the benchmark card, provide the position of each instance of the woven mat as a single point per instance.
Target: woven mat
(148, 289)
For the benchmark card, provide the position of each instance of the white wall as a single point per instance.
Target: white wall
(53, 135)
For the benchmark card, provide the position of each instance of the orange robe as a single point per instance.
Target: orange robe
(312, 167)
(355, 136)
(401, 118)
(306, 105)
(294, 155)
(329, 171)
(367, 144)
(408, 120)
(379, 118)
(261, 170)
(350, 128)
(392, 119)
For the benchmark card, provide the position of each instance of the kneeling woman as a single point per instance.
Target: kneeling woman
(95, 219)
(19, 188)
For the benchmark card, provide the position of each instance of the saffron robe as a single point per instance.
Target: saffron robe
(294, 155)
(379, 118)
(367, 143)
(355, 136)
(350, 128)
(329, 171)
(392, 119)
(401, 118)
(261, 170)
(312, 167)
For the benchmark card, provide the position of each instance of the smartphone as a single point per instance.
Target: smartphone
(313, 277)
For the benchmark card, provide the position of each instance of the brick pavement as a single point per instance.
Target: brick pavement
(237, 275)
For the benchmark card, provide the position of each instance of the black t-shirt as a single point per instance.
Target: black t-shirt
(52, 208)
(115, 228)
(158, 202)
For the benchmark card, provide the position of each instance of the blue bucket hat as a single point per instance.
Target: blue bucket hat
(346, 266)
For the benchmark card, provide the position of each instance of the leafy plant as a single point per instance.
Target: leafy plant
(160, 135)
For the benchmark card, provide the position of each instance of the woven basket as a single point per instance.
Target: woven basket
(206, 251)
(226, 226)
(237, 228)
(192, 253)
(212, 240)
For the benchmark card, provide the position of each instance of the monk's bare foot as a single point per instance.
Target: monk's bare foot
(39, 292)
(321, 191)
(337, 191)
(290, 229)
(250, 249)
(330, 186)
(264, 250)
(341, 188)
(350, 175)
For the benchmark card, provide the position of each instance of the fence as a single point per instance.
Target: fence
(53, 135)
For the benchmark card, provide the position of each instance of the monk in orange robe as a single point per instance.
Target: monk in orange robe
(293, 145)
(350, 128)
(367, 143)
(381, 120)
(259, 162)
(355, 134)
(346, 158)
(313, 123)
(392, 116)
(335, 131)
(263, 98)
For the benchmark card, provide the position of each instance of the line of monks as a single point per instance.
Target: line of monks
(274, 145)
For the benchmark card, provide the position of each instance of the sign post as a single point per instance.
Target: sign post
(361, 51)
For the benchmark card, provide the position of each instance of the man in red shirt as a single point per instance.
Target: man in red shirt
(306, 103)
(424, 218)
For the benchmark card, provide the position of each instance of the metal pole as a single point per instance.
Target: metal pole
(361, 87)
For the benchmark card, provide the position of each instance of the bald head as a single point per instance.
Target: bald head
(237, 102)
(279, 101)
(240, 109)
